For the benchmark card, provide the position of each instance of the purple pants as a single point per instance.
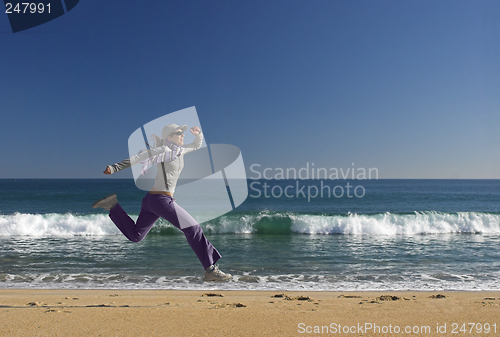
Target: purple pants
(155, 206)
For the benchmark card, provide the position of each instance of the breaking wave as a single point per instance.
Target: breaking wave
(264, 222)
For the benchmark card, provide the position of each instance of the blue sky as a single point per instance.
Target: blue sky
(410, 88)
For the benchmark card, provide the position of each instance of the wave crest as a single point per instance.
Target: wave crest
(56, 224)
(265, 222)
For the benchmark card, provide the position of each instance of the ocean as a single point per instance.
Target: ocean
(335, 235)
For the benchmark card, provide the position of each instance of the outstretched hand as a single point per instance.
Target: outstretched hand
(195, 130)
(107, 170)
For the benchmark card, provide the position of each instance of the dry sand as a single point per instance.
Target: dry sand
(246, 313)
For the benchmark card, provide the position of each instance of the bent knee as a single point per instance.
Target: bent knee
(192, 229)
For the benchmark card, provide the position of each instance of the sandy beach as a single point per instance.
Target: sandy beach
(246, 313)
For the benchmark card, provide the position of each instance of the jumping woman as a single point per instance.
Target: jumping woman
(168, 153)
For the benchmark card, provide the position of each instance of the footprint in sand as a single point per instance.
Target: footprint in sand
(290, 298)
(437, 296)
(36, 304)
(212, 295)
(229, 305)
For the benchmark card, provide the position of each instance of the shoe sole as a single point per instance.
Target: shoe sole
(96, 204)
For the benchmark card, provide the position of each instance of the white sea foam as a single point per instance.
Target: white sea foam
(363, 224)
(56, 224)
(68, 224)
(398, 224)
(278, 282)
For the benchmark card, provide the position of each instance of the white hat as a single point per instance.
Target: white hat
(171, 128)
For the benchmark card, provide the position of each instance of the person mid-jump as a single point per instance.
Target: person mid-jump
(168, 153)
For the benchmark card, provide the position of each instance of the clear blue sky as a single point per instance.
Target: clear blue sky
(409, 87)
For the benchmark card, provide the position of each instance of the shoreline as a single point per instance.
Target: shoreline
(375, 291)
(113, 312)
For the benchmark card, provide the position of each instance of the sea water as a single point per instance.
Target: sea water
(397, 235)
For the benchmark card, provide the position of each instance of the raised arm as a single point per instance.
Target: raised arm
(198, 140)
(153, 154)
(110, 169)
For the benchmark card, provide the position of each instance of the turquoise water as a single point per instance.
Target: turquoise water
(401, 234)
